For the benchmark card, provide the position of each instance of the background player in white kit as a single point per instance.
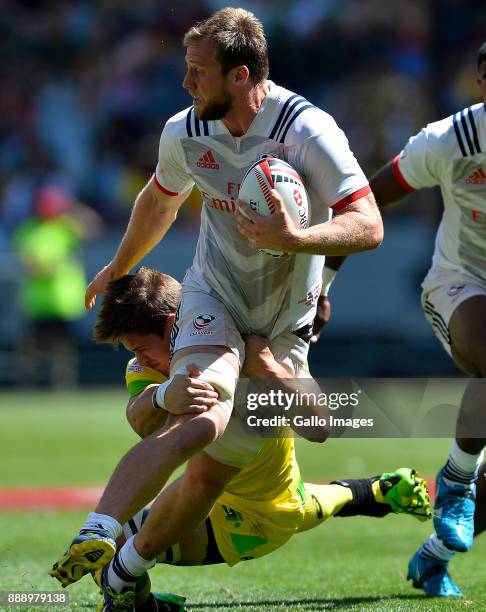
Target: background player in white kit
(451, 154)
(237, 115)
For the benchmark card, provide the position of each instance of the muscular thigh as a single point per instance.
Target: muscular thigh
(467, 329)
(454, 303)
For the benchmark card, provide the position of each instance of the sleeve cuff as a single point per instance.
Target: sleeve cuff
(352, 197)
(399, 176)
(163, 189)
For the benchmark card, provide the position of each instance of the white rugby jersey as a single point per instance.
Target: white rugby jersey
(265, 295)
(452, 154)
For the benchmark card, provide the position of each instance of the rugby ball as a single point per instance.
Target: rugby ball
(272, 173)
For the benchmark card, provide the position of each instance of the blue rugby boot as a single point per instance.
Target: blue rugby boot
(454, 513)
(431, 576)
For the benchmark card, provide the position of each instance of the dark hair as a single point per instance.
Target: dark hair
(240, 40)
(136, 304)
(481, 54)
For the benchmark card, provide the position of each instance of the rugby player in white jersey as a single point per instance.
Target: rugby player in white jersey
(232, 288)
(451, 154)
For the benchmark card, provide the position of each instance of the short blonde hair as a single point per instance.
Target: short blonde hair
(240, 40)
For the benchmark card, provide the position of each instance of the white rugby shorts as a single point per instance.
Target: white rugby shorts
(203, 320)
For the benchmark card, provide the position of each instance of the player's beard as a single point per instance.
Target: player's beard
(216, 108)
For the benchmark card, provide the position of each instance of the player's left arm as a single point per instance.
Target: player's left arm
(181, 395)
(261, 363)
(356, 227)
(143, 416)
(334, 180)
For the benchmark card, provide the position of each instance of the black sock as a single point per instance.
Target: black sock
(363, 503)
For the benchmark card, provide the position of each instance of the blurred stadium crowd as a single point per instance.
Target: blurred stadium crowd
(87, 85)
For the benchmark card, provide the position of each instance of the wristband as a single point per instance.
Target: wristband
(159, 395)
(328, 275)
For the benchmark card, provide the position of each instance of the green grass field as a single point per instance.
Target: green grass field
(346, 564)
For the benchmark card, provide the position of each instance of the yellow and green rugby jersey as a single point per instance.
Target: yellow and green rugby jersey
(138, 377)
(271, 479)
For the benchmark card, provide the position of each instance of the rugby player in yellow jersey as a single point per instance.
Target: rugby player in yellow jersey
(266, 502)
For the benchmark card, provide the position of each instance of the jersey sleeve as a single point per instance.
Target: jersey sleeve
(331, 169)
(418, 165)
(171, 174)
(138, 377)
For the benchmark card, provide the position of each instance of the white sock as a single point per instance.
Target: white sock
(126, 566)
(436, 549)
(102, 523)
(462, 467)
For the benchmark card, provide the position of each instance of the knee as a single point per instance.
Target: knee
(204, 484)
(477, 357)
(314, 428)
(319, 434)
(200, 430)
(468, 347)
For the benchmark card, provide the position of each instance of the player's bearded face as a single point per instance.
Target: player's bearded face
(216, 107)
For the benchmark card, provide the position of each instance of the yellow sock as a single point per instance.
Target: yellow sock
(323, 501)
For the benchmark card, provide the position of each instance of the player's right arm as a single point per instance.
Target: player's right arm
(261, 363)
(153, 214)
(154, 211)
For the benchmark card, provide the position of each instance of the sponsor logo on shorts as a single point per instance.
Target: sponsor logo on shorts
(202, 321)
(233, 515)
(312, 295)
(455, 290)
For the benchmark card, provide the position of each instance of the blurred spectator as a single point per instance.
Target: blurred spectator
(52, 287)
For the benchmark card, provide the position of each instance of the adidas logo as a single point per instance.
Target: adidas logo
(94, 555)
(207, 161)
(478, 177)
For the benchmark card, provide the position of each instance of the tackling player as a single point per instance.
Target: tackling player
(236, 116)
(451, 153)
(266, 502)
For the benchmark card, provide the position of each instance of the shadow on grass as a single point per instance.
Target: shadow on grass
(311, 604)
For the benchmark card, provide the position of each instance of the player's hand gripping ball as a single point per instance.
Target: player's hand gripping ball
(272, 173)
